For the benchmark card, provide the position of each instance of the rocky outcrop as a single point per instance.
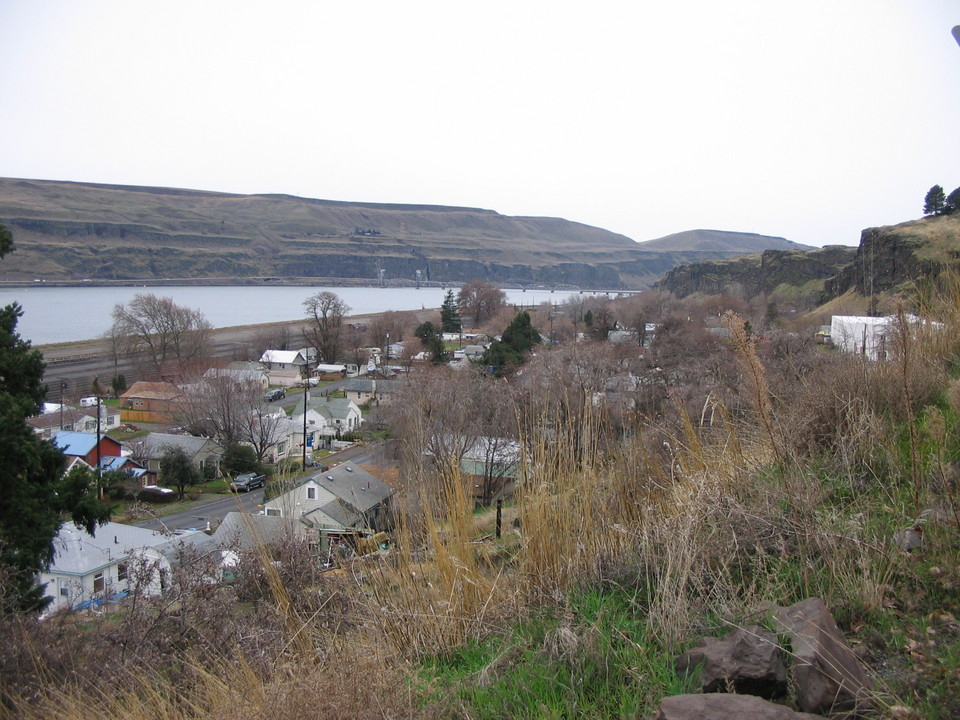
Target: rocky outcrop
(827, 675)
(749, 660)
(755, 274)
(822, 670)
(885, 260)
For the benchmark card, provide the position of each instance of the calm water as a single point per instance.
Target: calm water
(53, 315)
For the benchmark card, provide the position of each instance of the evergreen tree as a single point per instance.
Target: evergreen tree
(177, 470)
(935, 201)
(510, 350)
(432, 340)
(32, 467)
(953, 202)
(450, 314)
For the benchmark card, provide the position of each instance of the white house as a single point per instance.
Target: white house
(286, 368)
(88, 570)
(342, 415)
(862, 335)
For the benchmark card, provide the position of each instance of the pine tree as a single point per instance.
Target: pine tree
(953, 202)
(510, 350)
(450, 314)
(935, 201)
(34, 496)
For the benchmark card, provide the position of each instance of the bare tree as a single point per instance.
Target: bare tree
(391, 326)
(326, 311)
(481, 300)
(173, 338)
(229, 409)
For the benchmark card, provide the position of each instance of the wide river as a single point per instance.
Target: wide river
(66, 314)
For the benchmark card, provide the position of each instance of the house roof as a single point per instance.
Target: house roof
(152, 391)
(334, 407)
(358, 385)
(79, 553)
(241, 531)
(52, 419)
(78, 443)
(155, 443)
(287, 357)
(236, 374)
(354, 485)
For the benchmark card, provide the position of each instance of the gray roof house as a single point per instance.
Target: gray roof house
(341, 414)
(343, 499)
(204, 452)
(360, 389)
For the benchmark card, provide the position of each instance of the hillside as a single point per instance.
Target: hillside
(888, 259)
(74, 231)
(720, 241)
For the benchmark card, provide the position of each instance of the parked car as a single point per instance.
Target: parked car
(274, 394)
(247, 482)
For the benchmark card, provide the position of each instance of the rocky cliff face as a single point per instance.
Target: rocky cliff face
(889, 259)
(755, 274)
(886, 259)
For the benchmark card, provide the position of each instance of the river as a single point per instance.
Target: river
(67, 314)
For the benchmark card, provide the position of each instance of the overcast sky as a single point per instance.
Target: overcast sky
(809, 120)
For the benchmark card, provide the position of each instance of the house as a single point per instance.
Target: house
(204, 453)
(285, 368)
(136, 471)
(287, 436)
(364, 389)
(67, 418)
(493, 465)
(872, 337)
(88, 570)
(344, 500)
(254, 376)
(242, 531)
(341, 414)
(89, 447)
(149, 402)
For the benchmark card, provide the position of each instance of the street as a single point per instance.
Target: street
(209, 510)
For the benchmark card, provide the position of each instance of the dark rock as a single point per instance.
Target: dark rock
(726, 707)
(748, 660)
(826, 674)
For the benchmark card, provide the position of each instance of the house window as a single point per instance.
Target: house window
(64, 588)
(274, 512)
(98, 582)
(121, 571)
(311, 493)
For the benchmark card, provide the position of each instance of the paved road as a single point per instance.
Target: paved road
(211, 509)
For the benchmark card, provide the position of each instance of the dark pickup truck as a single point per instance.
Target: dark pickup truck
(247, 482)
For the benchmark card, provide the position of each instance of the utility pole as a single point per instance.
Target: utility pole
(306, 396)
(99, 467)
(62, 384)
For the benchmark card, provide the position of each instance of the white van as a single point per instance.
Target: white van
(90, 401)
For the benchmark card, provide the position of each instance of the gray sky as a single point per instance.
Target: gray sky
(810, 120)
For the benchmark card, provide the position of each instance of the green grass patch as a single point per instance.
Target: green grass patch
(590, 659)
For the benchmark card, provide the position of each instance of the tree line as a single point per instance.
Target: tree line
(937, 202)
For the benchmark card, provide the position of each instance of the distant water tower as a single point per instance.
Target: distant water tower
(381, 275)
(419, 278)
